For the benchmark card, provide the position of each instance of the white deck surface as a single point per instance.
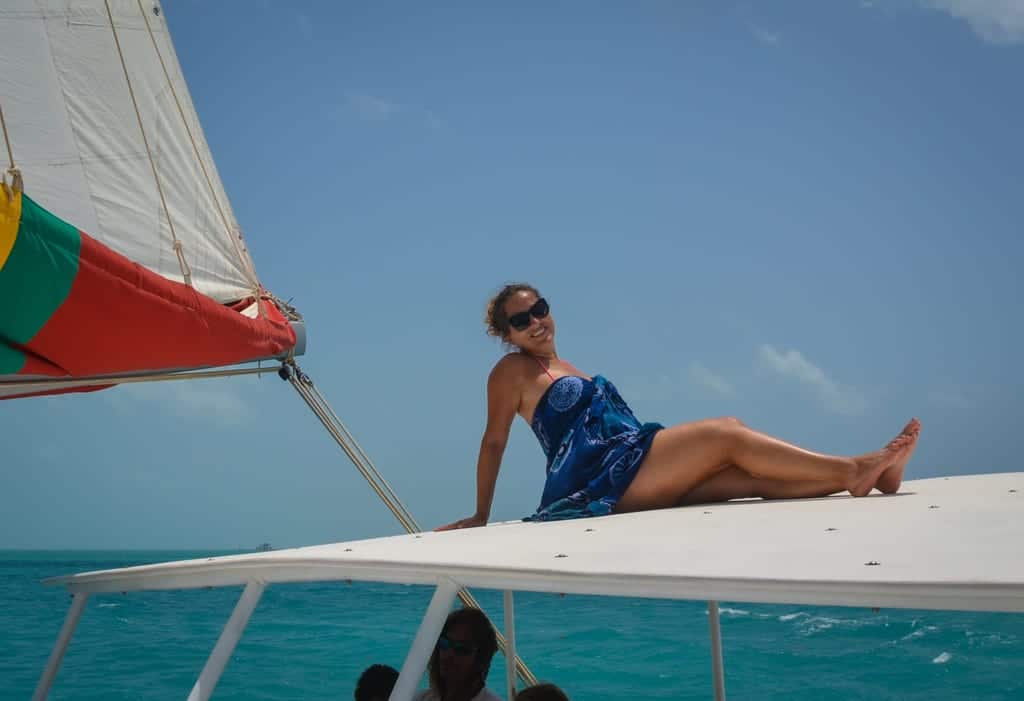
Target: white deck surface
(948, 543)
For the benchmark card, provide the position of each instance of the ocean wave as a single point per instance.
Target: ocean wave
(943, 658)
(807, 624)
(919, 633)
(816, 624)
(984, 639)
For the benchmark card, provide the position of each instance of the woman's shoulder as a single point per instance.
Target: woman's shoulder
(515, 359)
(511, 368)
(486, 695)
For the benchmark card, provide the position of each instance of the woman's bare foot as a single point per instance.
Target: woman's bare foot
(892, 477)
(869, 468)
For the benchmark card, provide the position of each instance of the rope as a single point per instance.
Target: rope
(186, 272)
(7, 139)
(16, 183)
(99, 381)
(290, 312)
(323, 411)
(246, 261)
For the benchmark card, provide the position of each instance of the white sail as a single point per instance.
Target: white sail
(106, 136)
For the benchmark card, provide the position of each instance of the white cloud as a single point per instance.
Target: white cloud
(207, 401)
(378, 109)
(204, 400)
(744, 12)
(764, 36)
(650, 389)
(371, 107)
(676, 384)
(951, 399)
(793, 365)
(996, 21)
(702, 377)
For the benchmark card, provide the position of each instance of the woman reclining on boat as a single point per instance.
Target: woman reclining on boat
(601, 460)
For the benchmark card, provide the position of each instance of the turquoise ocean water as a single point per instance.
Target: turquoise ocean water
(310, 641)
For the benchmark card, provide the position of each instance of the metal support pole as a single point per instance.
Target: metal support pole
(510, 646)
(717, 667)
(425, 640)
(63, 638)
(225, 646)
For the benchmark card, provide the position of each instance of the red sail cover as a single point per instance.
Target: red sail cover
(72, 307)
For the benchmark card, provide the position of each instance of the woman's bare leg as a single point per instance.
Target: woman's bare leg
(684, 456)
(733, 482)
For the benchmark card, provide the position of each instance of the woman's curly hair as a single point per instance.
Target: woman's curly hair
(495, 318)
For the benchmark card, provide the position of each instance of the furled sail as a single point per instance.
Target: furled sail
(119, 251)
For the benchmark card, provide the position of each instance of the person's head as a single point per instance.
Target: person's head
(376, 683)
(520, 317)
(462, 657)
(542, 692)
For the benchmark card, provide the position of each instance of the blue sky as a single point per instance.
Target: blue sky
(807, 215)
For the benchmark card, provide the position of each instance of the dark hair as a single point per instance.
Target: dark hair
(481, 632)
(542, 692)
(376, 682)
(495, 318)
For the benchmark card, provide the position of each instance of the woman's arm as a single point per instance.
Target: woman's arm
(503, 397)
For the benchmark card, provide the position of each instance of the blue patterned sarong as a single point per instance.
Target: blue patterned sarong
(594, 446)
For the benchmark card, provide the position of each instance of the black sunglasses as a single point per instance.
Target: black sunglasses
(521, 321)
(460, 649)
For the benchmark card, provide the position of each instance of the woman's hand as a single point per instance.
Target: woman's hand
(468, 522)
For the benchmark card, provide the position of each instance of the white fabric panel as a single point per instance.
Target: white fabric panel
(37, 121)
(76, 136)
(184, 98)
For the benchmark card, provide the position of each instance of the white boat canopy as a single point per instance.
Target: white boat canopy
(942, 543)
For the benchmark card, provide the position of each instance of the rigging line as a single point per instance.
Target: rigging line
(7, 139)
(365, 468)
(103, 380)
(364, 456)
(245, 259)
(182, 263)
(336, 428)
(353, 450)
(366, 471)
(16, 183)
(325, 420)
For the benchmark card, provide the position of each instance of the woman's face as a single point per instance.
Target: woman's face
(457, 656)
(538, 335)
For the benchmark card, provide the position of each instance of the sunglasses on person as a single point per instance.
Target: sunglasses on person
(521, 321)
(460, 649)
